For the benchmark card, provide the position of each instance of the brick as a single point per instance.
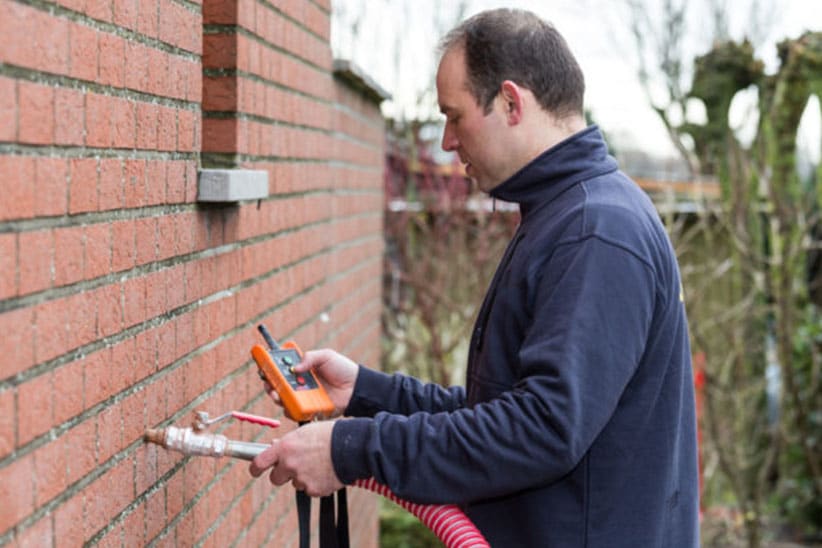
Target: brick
(8, 420)
(16, 187)
(17, 342)
(147, 117)
(124, 124)
(112, 57)
(146, 240)
(157, 72)
(135, 183)
(99, 381)
(123, 248)
(109, 311)
(14, 27)
(51, 326)
(177, 74)
(133, 528)
(175, 191)
(222, 12)
(82, 328)
(68, 391)
(83, 185)
(133, 420)
(97, 250)
(16, 491)
(49, 471)
(220, 135)
(68, 255)
(99, 111)
(36, 116)
(100, 9)
(220, 51)
(156, 303)
(83, 56)
(125, 13)
(8, 265)
(170, 27)
(134, 301)
(52, 42)
(111, 193)
(98, 508)
(136, 66)
(194, 82)
(191, 181)
(165, 344)
(145, 469)
(167, 128)
(184, 236)
(156, 181)
(8, 109)
(174, 496)
(109, 431)
(166, 245)
(51, 185)
(220, 93)
(68, 522)
(35, 417)
(69, 115)
(155, 513)
(186, 129)
(147, 18)
(35, 260)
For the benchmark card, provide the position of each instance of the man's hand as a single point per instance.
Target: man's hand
(302, 457)
(336, 372)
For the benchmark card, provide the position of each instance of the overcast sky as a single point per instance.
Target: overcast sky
(394, 42)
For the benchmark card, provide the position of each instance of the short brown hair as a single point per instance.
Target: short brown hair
(513, 44)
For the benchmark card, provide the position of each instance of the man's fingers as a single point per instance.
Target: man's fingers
(273, 395)
(313, 359)
(265, 460)
(279, 475)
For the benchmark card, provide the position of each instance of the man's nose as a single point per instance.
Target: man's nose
(449, 140)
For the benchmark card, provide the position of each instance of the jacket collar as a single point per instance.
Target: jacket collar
(581, 156)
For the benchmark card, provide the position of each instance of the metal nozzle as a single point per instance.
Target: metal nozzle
(188, 442)
(155, 435)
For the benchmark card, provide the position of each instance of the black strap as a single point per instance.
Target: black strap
(342, 519)
(333, 533)
(304, 518)
(328, 533)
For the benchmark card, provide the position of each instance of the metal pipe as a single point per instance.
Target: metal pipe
(189, 442)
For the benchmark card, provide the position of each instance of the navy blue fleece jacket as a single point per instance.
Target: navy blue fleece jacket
(577, 424)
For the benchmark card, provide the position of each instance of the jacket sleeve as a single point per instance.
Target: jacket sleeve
(584, 343)
(375, 391)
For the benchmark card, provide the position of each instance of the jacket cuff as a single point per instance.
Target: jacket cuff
(370, 389)
(349, 439)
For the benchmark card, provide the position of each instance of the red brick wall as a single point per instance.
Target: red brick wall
(125, 304)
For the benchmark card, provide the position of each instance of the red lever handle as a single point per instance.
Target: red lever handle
(256, 419)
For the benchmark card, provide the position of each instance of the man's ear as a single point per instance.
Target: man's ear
(511, 95)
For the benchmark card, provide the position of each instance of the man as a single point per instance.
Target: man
(577, 423)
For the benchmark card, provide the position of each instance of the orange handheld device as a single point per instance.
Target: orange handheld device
(302, 395)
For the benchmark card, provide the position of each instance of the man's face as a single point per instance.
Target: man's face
(477, 138)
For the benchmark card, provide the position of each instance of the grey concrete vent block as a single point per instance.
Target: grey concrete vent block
(231, 185)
